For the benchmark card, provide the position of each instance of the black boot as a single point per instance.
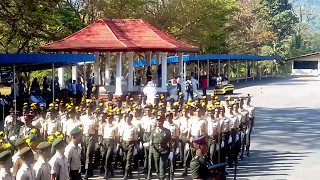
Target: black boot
(185, 172)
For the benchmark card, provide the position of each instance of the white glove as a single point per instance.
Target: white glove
(242, 136)
(187, 146)
(177, 151)
(171, 156)
(217, 147)
(230, 140)
(135, 151)
(140, 145)
(146, 145)
(222, 144)
(237, 137)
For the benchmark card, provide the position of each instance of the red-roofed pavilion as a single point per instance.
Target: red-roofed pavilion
(122, 36)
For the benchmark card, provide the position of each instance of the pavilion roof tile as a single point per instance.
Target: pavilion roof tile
(119, 35)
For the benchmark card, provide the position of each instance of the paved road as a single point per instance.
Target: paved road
(285, 141)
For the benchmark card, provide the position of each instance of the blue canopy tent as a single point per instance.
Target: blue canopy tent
(32, 62)
(212, 57)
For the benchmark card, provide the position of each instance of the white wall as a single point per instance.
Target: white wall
(304, 72)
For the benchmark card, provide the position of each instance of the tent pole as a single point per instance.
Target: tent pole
(208, 73)
(252, 70)
(229, 70)
(52, 82)
(246, 70)
(237, 70)
(198, 74)
(219, 67)
(85, 78)
(14, 93)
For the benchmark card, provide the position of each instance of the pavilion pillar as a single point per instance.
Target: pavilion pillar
(252, 70)
(148, 57)
(130, 69)
(164, 68)
(185, 71)
(61, 77)
(118, 74)
(208, 73)
(74, 69)
(246, 70)
(237, 70)
(158, 62)
(96, 69)
(219, 67)
(107, 69)
(85, 78)
(229, 70)
(198, 72)
(180, 64)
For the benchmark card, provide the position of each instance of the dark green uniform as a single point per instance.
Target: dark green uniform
(199, 167)
(159, 151)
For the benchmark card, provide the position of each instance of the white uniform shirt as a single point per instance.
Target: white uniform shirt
(212, 126)
(233, 123)
(245, 115)
(109, 131)
(225, 127)
(184, 125)
(4, 175)
(73, 154)
(70, 125)
(7, 120)
(129, 133)
(59, 166)
(42, 169)
(174, 129)
(250, 110)
(25, 173)
(89, 124)
(197, 127)
(148, 123)
(52, 126)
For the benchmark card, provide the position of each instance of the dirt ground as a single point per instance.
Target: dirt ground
(5, 89)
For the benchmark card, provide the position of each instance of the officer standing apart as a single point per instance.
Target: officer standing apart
(160, 141)
(200, 163)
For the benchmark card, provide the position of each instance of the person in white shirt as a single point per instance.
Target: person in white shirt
(26, 171)
(42, 167)
(59, 163)
(5, 165)
(250, 124)
(73, 154)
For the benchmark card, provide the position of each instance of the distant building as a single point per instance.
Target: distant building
(306, 65)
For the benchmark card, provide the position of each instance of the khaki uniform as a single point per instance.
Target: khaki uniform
(110, 133)
(148, 124)
(59, 166)
(42, 169)
(129, 136)
(159, 139)
(90, 127)
(25, 173)
(73, 155)
(4, 175)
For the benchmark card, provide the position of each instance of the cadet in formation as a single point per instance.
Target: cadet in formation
(69, 139)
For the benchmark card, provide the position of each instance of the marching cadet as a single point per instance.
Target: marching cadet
(72, 154)
(90, 128)
(59, 163)
(109, 131)
(250, 123)
(197, 124)
(212, 132)
(233, 125)
(238, 126)
(26, 172)
(16, 159)
(243, 125)
(41, 167)
(161, 147)
(12, 124)
(5, 165)
(71, 123)
(174, 129)
(148, 123)
(33, 142)
(184, 138)
(200, 163)
(129, 141)
(225, 129)
(52, 124)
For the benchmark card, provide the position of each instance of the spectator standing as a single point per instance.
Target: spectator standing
(74, 89)
(149, 74)
(79, 88)
(70, 88)
(45, 85)
(189, 88)
(204, 85)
